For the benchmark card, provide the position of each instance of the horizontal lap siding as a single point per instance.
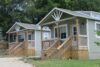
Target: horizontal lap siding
(94, 50)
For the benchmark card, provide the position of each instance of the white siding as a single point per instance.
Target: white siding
(94, 50)
(38, 43)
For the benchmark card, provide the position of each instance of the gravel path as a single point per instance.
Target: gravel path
(13, 62)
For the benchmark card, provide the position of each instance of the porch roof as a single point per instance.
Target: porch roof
(24, 25)
(27, 26)
(83, 14)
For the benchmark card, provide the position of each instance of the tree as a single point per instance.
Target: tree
(32, 11)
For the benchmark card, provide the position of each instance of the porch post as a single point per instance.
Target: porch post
(26, 44)
(77, 36)
(58, 31)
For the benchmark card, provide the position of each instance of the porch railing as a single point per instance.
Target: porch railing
(31, 43)
(82, 41)
(47, 44)
(12, 45)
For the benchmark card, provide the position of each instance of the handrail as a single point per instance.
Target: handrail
(14, 48)
(66, 46)
(64, 43)
(14, 45)
(18, 45)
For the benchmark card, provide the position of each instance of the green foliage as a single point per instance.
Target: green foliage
(65, 63)
(32, 11)
(97, 43)
(98, 33)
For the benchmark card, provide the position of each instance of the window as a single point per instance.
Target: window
(31, 36)
(97, 28)
(46, 35)
(62, 31)
(83, 28)
(20, 38)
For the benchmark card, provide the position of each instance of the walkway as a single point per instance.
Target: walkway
(13, 62)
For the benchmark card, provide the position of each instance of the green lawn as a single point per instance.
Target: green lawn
(65, 63)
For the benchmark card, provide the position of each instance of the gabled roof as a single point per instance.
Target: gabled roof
(28, 26)
(24, 25)
(73, 13)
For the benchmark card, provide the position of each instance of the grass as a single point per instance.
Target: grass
(65, 63)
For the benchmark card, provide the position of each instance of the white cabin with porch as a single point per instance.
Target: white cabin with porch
(25, 39)
(72, 34)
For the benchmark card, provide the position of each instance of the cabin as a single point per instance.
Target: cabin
(25, 39)
(73, 34)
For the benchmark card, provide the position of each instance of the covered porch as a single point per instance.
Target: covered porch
(66, 27)
(21, 40)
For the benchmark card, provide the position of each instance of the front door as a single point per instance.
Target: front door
(74, 34)
(63, 32)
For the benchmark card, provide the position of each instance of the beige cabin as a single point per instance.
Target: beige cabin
(25, 39)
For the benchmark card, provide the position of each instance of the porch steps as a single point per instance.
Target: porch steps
(62, 51)
(50, 50)
(18, 50)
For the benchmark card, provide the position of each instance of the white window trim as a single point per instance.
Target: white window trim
(64, 25)
(96, 29)
(83, 36)
(83, 46)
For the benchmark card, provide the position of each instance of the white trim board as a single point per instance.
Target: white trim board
(96, 29)
(47, 15)
(87, 27)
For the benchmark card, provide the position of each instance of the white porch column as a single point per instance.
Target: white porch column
(38, 43)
